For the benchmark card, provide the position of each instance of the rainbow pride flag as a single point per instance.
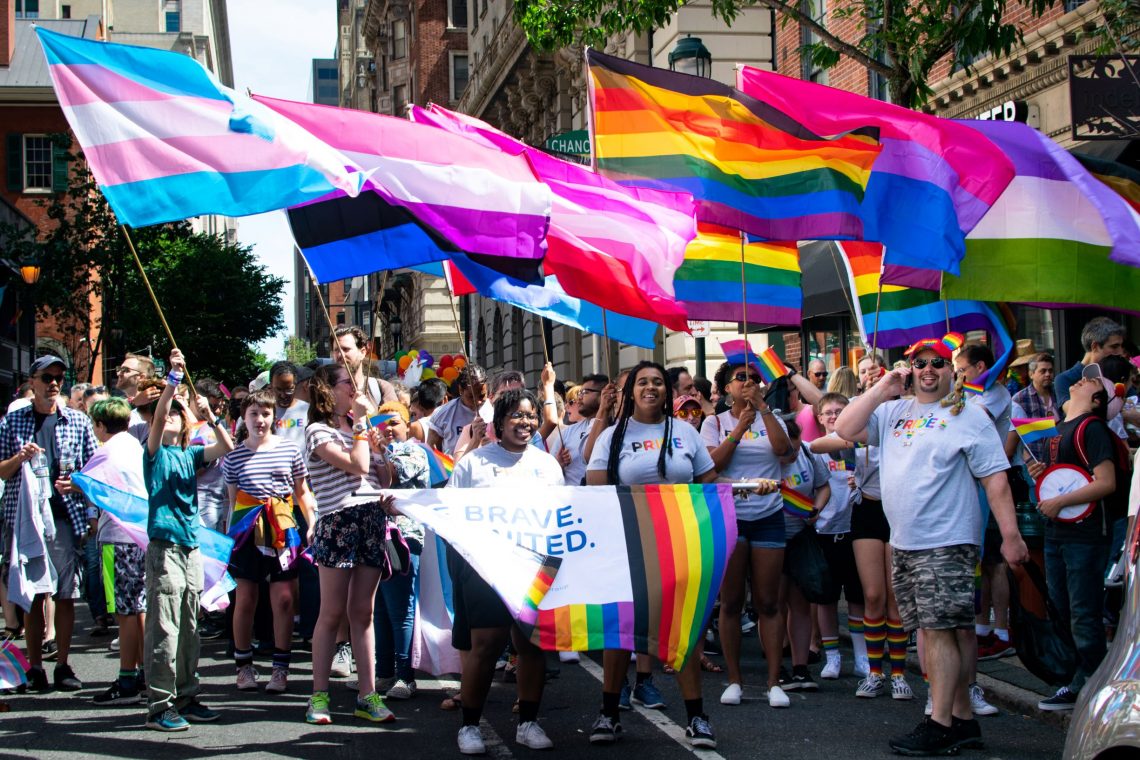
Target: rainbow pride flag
(201, 434)
(771, 365)
(795, 503)
(440, 465)
(13, 666)
(739, 353)
(677, 538)
(709, 279)
(1033, 429)
(749, 165)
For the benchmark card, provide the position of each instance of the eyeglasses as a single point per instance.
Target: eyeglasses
(522, 417)
(937, 362)
(740, 377)
(687, 414)
(47, 379)
(819, 374)
(123, 369)
(831, 413)
(92, 391)
(584, 391)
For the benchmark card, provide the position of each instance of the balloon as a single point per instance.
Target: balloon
(426, 358)
(449, 374)
(427, 374)
(459, 362)
(445, 361)
(404, 362)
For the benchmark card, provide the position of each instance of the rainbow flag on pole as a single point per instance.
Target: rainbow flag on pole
(795, 503)
(749, 165)
(1034, 429)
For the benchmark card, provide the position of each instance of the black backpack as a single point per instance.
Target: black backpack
(1044, 644)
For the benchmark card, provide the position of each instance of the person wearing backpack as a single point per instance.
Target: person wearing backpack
(1076, 553)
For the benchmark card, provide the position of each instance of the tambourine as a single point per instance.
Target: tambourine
(1061, 479)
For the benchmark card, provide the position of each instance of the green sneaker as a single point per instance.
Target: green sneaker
(318, 712)
(372, 708)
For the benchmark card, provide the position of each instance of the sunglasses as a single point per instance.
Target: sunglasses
(92, 391)
(937, 362)
(47, 379)
(687, 414)
(740, 377)
(819, 374)
(124, 369)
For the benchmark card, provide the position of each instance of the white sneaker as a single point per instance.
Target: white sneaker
(830, 671)
(530, 734)
(278, 682)
(114, 645)
(568, 657)
(246, 678)
(777, 698)
(862, 666)
(871, 686)
(978, 701)
(342, 661)
(732, 694)
(401, 689)
(900, 689)
(471, 741)
(929, 709)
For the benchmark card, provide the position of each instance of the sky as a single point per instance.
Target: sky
(275, 58)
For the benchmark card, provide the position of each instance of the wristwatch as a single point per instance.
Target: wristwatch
(359, 427)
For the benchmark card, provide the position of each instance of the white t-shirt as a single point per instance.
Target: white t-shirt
(641, 447)
(449, 420)
(574, 436)
(805, 475)
(997, 401)
(929, 464)
(138, 427)
(489, 465)
(290, 423)
(835, 517)
(753, 458)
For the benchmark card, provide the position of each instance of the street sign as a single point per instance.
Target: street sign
(700, 329)
(576, 142)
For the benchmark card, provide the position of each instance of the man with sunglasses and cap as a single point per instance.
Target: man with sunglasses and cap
(934, 449)
(66, 440)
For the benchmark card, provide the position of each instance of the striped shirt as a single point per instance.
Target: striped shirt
(266, 472)
(334, 488)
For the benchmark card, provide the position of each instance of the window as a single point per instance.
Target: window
(484, 6)
(172, 11)
(37, 162)
(817, 9)
(399, 40)
(474, 15)
(399, 99)
(65, 11)
(27, 8)
(457, 10)
(497, 359)
(459, 73)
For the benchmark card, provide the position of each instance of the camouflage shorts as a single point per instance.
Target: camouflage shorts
(934, 588)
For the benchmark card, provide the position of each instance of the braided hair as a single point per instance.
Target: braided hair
(626, 412)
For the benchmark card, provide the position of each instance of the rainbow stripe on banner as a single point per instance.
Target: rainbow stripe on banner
(795, 503)
(678, 538)
(1033, 429)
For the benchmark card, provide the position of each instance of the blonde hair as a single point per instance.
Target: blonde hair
(956, 399)
(395, 407)
(843, 381)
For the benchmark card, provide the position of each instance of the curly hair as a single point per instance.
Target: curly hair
(506, 402)
(322, 402)
(666, 448)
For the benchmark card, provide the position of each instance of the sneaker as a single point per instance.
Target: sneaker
(929, 709)
(928, 738)
(196, 712)
(871, 686)
(401, 689)
(372, 708)
(114, 645)
(470, 741)
(900, 689)
(784, 679)
(342, 661)
(120, 693)
(802, 681)
(747, 624)
(502, 661)
(318, 712)
(967, 733)
(50, 650)
(732, 695)
(1062, 700)
(995, 650)
(168, 720)
(648, 695)
(531, 735)
(830, 671)
(210, 630)
(700, 732)
(569, 657)
(278, 682)
(626, 694)
(777, 698)
(978, 701)
(38, 680)
(605, 730)
(862, 666)
(65, 679)
(247, 678)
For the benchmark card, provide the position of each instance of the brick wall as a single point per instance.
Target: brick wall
(432, 63)
(7, 31)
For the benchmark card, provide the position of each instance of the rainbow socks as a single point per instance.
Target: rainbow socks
(896, 646)
(875, 633)
(830, 643)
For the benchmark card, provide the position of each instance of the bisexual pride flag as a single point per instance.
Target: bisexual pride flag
(1034, 429)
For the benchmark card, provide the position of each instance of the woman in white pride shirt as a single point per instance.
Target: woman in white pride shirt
(645, 446)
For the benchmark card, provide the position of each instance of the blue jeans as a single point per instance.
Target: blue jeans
(393, 622)
(1075, 574)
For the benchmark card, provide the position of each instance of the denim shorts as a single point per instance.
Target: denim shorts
(765, 533)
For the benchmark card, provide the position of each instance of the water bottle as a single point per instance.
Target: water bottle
(43, 474)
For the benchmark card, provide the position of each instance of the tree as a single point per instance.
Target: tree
(218, 301)
(299, 351)
(897, 39)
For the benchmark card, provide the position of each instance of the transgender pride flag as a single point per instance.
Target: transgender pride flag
(166, 141)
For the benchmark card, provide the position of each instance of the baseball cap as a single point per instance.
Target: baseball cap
(42, 363)
(944, 346)
(680, 401)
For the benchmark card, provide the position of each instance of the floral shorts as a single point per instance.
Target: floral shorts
(351, 537)
(124, 578)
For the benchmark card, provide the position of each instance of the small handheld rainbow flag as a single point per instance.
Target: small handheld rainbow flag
(1033, 429)
(201, 434)
(381, 421)
(440, 465)
(767, 363)
(771, 365)
(795, 503)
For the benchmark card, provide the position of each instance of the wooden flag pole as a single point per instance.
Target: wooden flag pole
(606, 346)
(374, 322)
(154, 300)
(546, 360)
(332, 327)
(464, 349)
(743, 294)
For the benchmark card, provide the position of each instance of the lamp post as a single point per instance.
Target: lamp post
(395, 326)
(690, 56)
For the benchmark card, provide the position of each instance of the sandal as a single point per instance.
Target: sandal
(11, 634)
(451, 703)
(709, 666)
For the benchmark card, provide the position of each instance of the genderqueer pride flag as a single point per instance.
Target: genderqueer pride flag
(635, 568)
(749, 165)
(166, 141)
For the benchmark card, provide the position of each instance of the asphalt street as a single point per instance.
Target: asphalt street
(830, 723)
